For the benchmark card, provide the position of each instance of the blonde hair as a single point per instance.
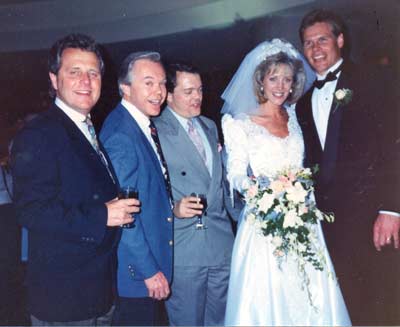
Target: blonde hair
(268, 65)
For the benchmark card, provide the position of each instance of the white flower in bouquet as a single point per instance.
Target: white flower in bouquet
(283, 207)
(277, 241)
(292, 238)
(266, 202)
(292, 219)
(301, 247)
(296, 193)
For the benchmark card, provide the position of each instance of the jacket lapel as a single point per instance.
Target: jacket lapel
(178, 136)
(213, 146)
(133, 125)
(81, 145)
(312, 144)
(335, 130)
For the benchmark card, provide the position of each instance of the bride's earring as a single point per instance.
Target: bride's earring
(291, 90)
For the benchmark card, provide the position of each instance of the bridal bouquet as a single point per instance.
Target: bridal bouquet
(284, 208)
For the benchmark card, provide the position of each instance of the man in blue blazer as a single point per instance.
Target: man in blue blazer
(65, 196)
(145, 250)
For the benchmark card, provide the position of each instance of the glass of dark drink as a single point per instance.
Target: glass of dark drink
(202, 199)
(128, 192)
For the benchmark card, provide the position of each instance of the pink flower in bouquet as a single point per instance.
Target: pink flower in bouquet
(292, 176)
(285, 181)
(277, 186)
(252, 191)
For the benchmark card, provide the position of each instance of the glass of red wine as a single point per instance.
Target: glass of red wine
(128, 192)
(202, 199)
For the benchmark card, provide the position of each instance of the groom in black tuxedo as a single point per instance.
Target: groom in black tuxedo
(341, 136)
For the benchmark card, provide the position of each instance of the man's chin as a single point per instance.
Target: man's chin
(155, 112)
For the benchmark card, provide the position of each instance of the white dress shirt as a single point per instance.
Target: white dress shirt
(76, 117)
(321, 101)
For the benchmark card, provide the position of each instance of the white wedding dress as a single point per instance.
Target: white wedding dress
(261, 294)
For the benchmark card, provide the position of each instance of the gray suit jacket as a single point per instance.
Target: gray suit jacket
(188, 174)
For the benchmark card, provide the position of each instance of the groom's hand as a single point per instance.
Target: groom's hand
(386, 228)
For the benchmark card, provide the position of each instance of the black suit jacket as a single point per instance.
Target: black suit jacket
(349, 165)
(60, 187)
(352, 183)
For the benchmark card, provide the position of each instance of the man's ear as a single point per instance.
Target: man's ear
(126, 89)
(340, 41)
(169, 97)
(53, 79)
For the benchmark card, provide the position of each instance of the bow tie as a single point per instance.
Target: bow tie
(319, 84)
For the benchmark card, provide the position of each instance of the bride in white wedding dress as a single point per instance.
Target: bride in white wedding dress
(262, 137)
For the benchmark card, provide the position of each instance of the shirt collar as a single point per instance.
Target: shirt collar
(139, 116)
(331, 69)
(74, 115)
(182, 120)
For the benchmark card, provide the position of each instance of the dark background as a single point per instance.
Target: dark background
(374, 34)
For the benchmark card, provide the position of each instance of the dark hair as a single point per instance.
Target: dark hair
(74, 41)
(172, 70)
(125, 70)
(322, 16)
(267, 66)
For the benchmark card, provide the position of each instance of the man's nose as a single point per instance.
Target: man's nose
(198, 94)
(315, 46)
(85, 78)
(159, 89)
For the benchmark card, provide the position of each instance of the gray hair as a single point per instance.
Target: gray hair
(125, 72)
(268, 65)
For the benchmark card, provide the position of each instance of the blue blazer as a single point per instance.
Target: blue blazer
(146, 248)
(60, 187)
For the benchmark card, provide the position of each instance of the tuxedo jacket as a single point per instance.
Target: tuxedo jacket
(146, 248)
(60, 190)
(348, 182)
(355, 180)
(188, 174)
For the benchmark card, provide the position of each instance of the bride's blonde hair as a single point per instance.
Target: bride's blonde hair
(268, 65)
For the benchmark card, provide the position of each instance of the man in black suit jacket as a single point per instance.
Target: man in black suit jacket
(340, 135)
(65, 195)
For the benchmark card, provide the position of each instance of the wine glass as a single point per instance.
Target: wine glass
(202, 199)
(128, 192)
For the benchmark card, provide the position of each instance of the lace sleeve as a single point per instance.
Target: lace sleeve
(237, 161)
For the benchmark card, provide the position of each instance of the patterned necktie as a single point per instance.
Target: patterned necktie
(95, 144)
(154, 136)
(319, 84)
(196, 139)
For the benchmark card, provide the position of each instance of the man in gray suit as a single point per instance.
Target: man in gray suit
(202, 255)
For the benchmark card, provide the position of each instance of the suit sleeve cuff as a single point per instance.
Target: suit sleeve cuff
(392, 213)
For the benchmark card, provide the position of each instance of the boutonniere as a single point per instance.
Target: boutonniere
(342, 97)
